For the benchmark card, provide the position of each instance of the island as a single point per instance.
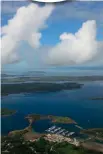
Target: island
(54, 119)
(7, 112)
(17, 88)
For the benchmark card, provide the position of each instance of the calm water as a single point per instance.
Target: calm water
(73, 103)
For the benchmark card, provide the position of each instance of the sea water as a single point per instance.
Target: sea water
(72, 103)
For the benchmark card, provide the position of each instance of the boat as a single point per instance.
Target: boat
(66, 132)
(63, 134)
(71, 133)
(55, 130)
(60, 131)
(51, 128)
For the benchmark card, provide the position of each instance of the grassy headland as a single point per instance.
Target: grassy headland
(55, 119)
(20, 132)
(63, 120)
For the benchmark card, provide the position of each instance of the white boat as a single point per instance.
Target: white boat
(63, 134)
(51, 128)
(66, 132)
(60, 131)
(56, 129)
(71, 133)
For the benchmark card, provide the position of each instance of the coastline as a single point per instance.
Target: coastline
(9, 114)
(54, 119)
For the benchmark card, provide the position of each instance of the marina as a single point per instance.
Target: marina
(59, 131)
(51, 129)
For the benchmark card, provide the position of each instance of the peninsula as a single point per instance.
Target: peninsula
(97, 133)
(20, 132)
(54, 119)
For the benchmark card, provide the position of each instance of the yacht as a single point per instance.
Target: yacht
(71, 133)
(60, 131)
(51, 128)
(55, 130)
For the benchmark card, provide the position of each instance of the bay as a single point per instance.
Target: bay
(72, 103)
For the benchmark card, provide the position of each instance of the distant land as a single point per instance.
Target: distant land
(96, 98)
(17, 88)
(36, 78)
(7, 112)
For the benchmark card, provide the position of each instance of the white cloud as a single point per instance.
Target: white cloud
(24, 26)
(76, 48)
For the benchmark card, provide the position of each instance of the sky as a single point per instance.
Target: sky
(60, 36)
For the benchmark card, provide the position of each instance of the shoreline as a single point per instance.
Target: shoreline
(54, 119)
(9, 114)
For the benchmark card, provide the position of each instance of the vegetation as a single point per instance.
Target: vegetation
(55, 119)
(20, 132)
(17, 145)
(7, 112)
(36, 87)
(34, 117)
(64, 120)
(96, 132)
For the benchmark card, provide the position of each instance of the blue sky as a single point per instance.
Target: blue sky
(65, 17)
